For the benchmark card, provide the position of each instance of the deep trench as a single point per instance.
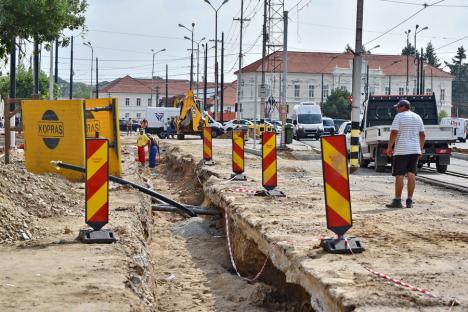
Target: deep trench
(249, 259)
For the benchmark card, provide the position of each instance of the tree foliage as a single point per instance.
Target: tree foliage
(408, 50)
(25, 84)
(40, 20)
(430, 56)
(336, 105)
(459, 71)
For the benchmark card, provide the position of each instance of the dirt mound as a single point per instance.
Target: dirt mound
(26, 197)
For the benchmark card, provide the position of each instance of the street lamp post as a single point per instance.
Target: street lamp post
(191, 52)
(216, 48)
(407, 33)
(152, 74)
(88, 44)
(416, 31)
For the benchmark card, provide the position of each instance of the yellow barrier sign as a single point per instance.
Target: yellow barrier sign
(102, 116)
(54, 130)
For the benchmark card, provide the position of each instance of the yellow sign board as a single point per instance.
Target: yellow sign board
(102, 116)
(54, 130)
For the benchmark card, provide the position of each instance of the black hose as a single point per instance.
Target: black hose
(142, 189)
(197, 210)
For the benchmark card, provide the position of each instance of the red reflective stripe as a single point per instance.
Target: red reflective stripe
(95, 182)
(92, 146)
(334, 219)
(338, 142)
(102, 215)
(272, 182)
(268, 159)
(336, 181)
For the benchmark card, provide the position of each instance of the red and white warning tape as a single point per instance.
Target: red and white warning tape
(231, 256)
(240, 190)
(403, 284)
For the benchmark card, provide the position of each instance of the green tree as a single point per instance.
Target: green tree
(460, 56)
(41, 20)
(408, 50)
(442, 114)
(336, 105)
(430, 56)
(24, 84)
(459, 71)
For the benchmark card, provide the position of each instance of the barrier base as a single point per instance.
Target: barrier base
(339, 245)
(208, 162)
(273, 193)
(90, 236)
(238, 177)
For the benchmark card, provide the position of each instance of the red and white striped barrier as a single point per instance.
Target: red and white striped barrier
(240, 190)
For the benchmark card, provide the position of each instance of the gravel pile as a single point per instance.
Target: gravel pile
(26, 197)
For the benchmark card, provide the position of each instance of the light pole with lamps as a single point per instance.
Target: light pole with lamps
(216, 47)
(191, 54)
(198, 58)
(88, 44)
(152, 74)
(416, 31)
(407, 33)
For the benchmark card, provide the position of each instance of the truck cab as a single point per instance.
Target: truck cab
(375, 131)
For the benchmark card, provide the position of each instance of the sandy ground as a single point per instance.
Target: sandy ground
(425, 246)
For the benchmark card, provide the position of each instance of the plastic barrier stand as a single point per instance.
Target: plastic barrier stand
(336, 184)
(269, 166)
(207, 144)
(54, 130)
(97, 183)
(106, 122)
(238, 151)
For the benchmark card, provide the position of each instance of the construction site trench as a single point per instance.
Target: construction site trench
(165, 261)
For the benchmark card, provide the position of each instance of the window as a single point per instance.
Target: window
(387, 90)
(429, 91)
(325, 91)
(138, 115)
(150, 102)
(127, 102)
(138, 102)
(297, 90)
(401, 91)
(311, 91)
(127, 115)
(442, 94)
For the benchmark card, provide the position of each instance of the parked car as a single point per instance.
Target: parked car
(328, 126)
(345, 129)
(234, 124)
(338, 123)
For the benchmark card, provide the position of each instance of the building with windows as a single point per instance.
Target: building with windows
(136, 94)
(313, 75)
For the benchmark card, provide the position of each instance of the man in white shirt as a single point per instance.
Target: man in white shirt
(405, 145)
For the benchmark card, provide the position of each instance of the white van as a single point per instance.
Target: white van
(307, 120)
(158, 116)
(459, 124)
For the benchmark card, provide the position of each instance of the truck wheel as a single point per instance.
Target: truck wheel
(214, 133)
(180, 136)
(379, 168)
(363, 163)
(441, 168)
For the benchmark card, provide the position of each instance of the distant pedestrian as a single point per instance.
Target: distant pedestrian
(144, 124)
(153, 151)
(405, 145)
(173, 127)
(167, 127)
(128, 124)
(142, 141)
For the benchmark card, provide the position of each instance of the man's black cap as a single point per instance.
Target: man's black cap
(404, 103)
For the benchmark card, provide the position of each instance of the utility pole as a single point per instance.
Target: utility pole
(36, 69)
(71, 68)
(283, 114)
(321, 97)
(167, 85)
(205, 81)
(264, 42)
(239, 75)
(191, 60)
(421, 73)
(51, 72)
(97, 78)
(56, 60)
(407, 60)
(10, 139)
(222, 75)
(356, 103)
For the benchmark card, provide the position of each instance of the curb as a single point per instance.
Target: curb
(460, 156)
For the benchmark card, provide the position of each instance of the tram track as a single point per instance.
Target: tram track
(441, 183)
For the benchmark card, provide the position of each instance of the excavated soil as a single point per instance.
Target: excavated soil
(425, 246)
